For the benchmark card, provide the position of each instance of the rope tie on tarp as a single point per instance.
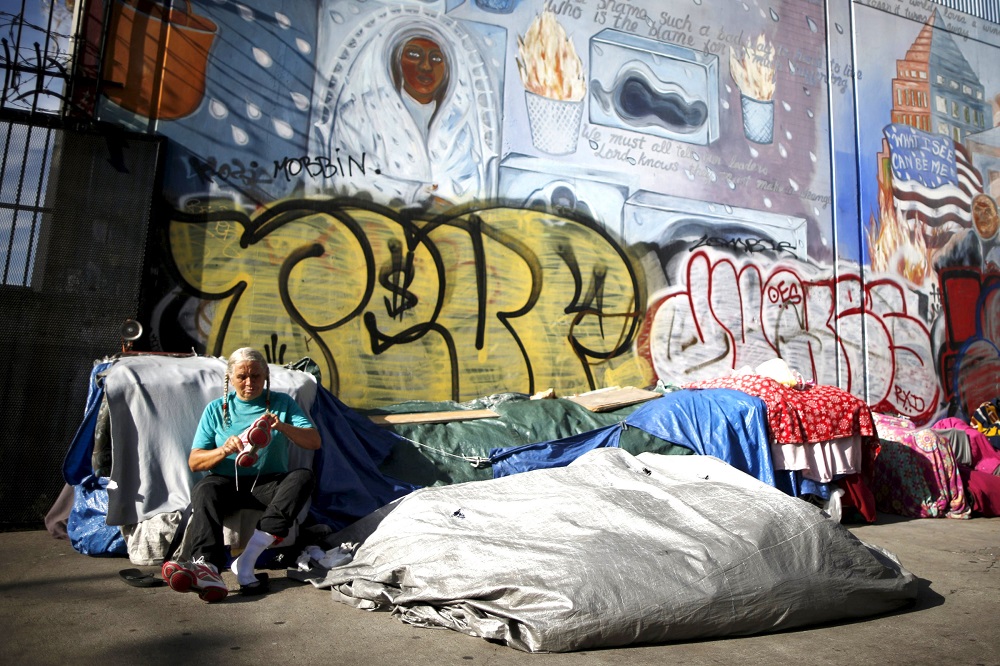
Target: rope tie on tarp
(479, 462)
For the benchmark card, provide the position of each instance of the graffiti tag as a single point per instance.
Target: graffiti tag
(320, 167)
(235, 171)
(750, 245)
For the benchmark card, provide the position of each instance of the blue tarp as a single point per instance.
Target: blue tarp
(77, 464)
(725, 423)
(349, 484)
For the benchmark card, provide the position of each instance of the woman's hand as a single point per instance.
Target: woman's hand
(202, 460)
(232, 445)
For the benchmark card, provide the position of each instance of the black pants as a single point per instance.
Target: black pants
(280, 496)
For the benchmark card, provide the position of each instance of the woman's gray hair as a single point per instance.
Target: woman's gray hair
(251, 355)
(247, 354)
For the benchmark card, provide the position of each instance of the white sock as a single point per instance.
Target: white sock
(244, 565)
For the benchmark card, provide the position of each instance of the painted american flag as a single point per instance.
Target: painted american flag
(933, 179)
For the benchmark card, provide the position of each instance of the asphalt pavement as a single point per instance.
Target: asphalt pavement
(61, 607)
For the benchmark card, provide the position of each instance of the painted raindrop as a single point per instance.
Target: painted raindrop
(301, 101)
(786, 105)
(729, 209)
(245, 12)
(690, 176)
(774, 16)
(809, 112)
(795, 186)
(303, 46)
(782, 150)
(788, 135)
(839, 28)
(283, 20)
(812, 156)
(767, 202)
(262, 57)
(754, 153)
(283, 129)
(217, 109)
(253, 111)
(239, 136)
(812, 24)
(337, 17)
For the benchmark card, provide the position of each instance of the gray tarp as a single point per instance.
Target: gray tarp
(614, 550)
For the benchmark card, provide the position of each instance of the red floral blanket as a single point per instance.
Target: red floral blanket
(796, 416)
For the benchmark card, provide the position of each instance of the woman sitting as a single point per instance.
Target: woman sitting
(242, 442)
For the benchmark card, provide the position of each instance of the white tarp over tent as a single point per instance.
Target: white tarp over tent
(614, 550)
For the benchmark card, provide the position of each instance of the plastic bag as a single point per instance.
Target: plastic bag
(87, 525)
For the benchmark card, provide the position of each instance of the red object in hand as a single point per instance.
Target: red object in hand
(254, 438)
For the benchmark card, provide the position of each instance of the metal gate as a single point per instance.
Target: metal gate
(75, 205)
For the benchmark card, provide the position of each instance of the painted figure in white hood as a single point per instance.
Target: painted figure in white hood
(410, 91)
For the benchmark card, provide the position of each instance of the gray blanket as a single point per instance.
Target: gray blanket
(155, 403)
(610, 551)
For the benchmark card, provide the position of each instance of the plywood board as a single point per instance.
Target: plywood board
(434, 417)
(605, 400)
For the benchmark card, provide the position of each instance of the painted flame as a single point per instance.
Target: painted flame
(898, 245)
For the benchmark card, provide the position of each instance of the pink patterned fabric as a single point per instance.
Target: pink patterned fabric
(984, 457)
(797, 416)
(915, 473)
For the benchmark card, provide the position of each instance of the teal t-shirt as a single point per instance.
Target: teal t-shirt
(273, 458)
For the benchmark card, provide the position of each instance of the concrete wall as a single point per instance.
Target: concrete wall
(701, 186)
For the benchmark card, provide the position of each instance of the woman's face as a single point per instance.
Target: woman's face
(247, 378)
(423, 66)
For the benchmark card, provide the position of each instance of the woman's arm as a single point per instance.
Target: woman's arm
(202, 460)
(306, 438)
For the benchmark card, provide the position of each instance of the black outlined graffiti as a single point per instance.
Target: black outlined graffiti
(528, 279)
(750, 245)
(321, 167)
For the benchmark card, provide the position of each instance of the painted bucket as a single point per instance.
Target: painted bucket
(758, 119)
(555, 124)
(156, 58)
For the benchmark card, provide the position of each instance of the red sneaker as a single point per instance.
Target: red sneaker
(195, 576)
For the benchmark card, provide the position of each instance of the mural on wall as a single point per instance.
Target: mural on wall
(411, 92)
(928, 173)
(459, 197)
